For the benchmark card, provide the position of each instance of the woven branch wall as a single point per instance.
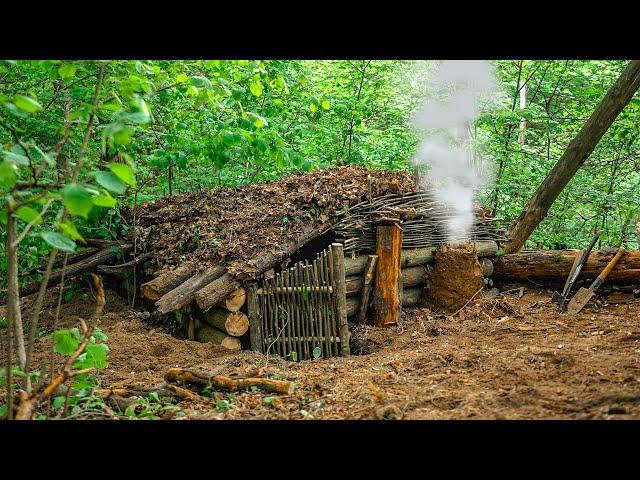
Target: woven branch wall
(294, 314)
(423, 222)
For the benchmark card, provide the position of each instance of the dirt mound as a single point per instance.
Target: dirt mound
(233, 225)
(455, 278)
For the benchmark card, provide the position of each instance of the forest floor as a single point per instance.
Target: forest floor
(506, 357)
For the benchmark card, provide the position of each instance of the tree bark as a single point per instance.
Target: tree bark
(555, 265)
(386, 296)
(235, 324)
(575, 155)
(213, 335)
(183, 294)
(337, 250)
(166, 282)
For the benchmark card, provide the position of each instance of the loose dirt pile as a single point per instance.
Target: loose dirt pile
(233, 225)
(455, 278)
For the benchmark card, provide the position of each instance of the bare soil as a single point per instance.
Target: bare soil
(499, 358)
(455, 278)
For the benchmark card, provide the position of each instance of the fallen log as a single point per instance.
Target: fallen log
(217, 290)
(418, 256)
(103, 257)
(224, 382)
(235, 324)
(555, 265)
(73, 258)
(210, 334)
(166, 282)
(184, 293)
(410, 298)
(132, 263)
(235, 300)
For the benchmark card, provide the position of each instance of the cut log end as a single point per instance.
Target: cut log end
(235, 300)
(213, 335)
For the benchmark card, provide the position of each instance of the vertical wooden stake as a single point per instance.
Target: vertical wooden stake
(386, 296)
(255, 320)
(337, 251)
(369, 271)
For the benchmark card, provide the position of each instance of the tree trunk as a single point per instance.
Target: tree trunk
(185, 292)
(575, 155)
(386, 296)
(235, 324)
(13, 293)
(555, 265)
(166, 282)
(213, 335)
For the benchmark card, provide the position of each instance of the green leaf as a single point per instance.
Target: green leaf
(154, 396)
(4, 409)
(304, 293)
(7, 174)
(110, 181)
(256, 88)
(104, 200)
(67, 71)
(16, 158)
(77, 200)
(317, 352)
(64, 342)
(58, 402)
(98, 354)
(294, 356)
(70, 230)
(59, 241)
(27, 215)
(99, 334)
(124, 173)
(257, 120)
(27, 104)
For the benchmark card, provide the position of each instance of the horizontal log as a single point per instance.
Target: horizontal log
(184, 293)
(213, 335)
(410, 298)
(412, 277)
(166, 282)
(223, 382)
(555, 265)
(418, 256)
(235, 324)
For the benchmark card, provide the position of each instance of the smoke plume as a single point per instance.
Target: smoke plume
(458, 92)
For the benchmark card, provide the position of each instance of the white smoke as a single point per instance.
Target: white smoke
(459, 90)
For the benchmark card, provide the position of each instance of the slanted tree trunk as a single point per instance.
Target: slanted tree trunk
(575, 155)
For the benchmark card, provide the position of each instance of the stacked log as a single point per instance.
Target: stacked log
(415, 266)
